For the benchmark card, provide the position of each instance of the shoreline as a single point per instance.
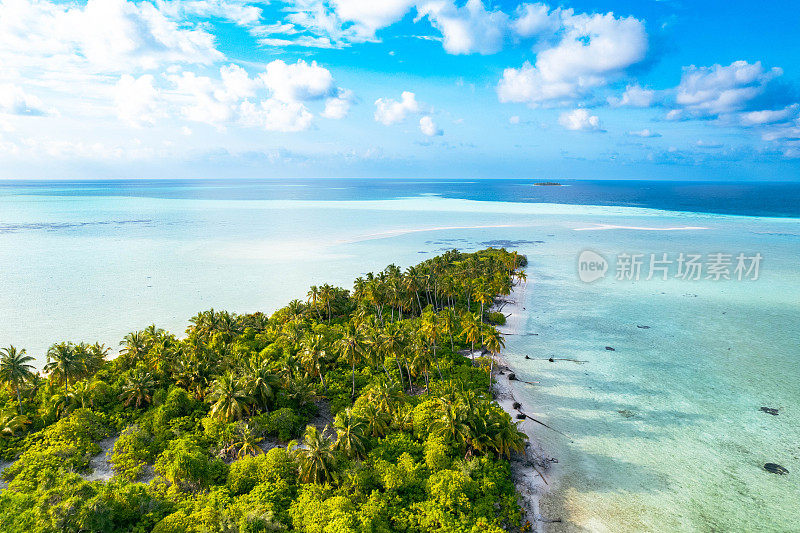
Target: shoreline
(529, 470)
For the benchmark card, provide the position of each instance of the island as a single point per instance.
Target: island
(362, 410)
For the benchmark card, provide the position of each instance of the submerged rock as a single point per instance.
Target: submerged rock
(517, 405)
(627, 413)
(771, 410)
(522, 416)
(512, 377)
(551, 359)
(775, 469)
(526, 357)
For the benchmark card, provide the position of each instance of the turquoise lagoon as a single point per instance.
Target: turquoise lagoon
(665, 432)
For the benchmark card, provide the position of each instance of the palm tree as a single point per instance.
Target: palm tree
(262, 384)
(315, 458)
(472, 332)
(62, 363)
(313, 354)
(138, 389)
(450, 423)
(134, 347)
(494, 343)
(350, 438)
(230, 399)
(351, 349)
(15, 370)
(10, 422)
(246, 442)
(392, 341)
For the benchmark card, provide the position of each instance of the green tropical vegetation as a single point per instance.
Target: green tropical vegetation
(362, 410)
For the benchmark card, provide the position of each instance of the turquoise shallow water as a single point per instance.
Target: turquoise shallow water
(665, 431)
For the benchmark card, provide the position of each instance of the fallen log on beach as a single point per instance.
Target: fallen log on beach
(523, 416)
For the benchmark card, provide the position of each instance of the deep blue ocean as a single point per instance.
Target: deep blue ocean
(772, 199)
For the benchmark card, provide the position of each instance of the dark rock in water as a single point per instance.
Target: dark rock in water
(502, 373)
(610, 349)
(643, 327)
(551, 360)
(523, 416)
(770, 410)
(512, 376)
(526, 357)
(627, 413)
(775, 469)
(517, 405)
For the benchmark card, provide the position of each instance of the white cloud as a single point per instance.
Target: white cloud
(468, 29)
(593, 50)
(513, 120)
(371, 15)
(116, 34)
(634, 96)
(298, 81)
(763, 117)
(579, 120)
(137, 100)
(237, 11)
(276, 115)
(388, 111)
(644, 133)
(338, 107)
(715, 90)
(429, 127)
(535, 19)
(15, 101)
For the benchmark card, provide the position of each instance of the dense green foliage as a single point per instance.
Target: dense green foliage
(372, 419)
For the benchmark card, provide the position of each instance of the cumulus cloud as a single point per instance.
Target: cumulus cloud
(579, 120)
(429, 127)
(389, 111)
(646, 133)
(298, 81)
(277, 115)
(339, 106)
(274, 100)
(15, 101)
(468, 29)
(593, 50)
(634, 96)
(239, 12)
(72, 47)
(535, 19)
(717, 90)
(137, 100)
(368, 16)
(768, 116)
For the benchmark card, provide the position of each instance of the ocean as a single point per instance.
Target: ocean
(665, 431)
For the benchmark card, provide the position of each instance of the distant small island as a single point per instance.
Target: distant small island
(548, 184)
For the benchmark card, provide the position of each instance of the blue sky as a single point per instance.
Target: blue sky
(422, 88)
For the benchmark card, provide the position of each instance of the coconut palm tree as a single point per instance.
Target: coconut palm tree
(230, 399)
(15, 370)
(262, 385)
(350, 437)
(138, 389)
(315, 458)
(11, 422)
(450, 422)
(351, 348)
(313, 356)
(494, 343)
(471, 329)
(62, 363)
(134, 347)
